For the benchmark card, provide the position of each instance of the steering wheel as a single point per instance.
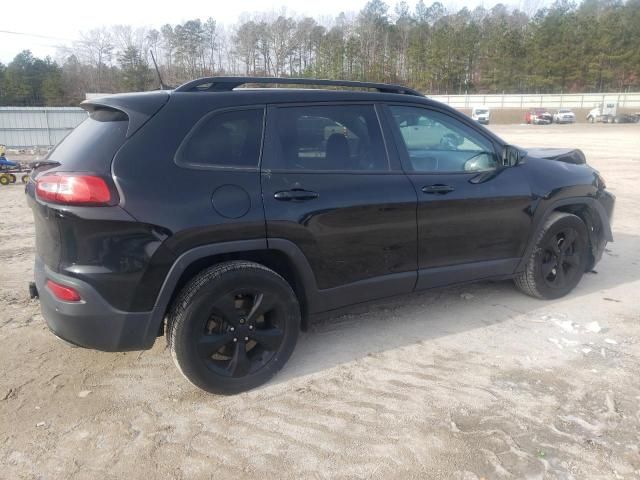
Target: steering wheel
(450, 141)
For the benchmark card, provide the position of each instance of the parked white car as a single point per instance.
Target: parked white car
(564, 115)
(481, 114)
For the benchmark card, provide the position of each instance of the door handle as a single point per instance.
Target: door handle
(295, 195)
(438, 188)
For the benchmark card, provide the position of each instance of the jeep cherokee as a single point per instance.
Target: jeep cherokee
(224, 217)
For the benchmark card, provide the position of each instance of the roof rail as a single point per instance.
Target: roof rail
(226, 84)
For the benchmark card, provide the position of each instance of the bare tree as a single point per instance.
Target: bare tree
(281, 33)
(246, 44)
(211, 41)
(96, 48)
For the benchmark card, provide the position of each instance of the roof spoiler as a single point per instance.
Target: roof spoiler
(139, 107)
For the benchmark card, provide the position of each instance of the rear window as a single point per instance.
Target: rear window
(230, 139)
(91, 146)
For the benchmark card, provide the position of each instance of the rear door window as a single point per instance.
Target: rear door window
(329, 138)
(226, 139)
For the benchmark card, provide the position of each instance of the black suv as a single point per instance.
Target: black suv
(225, 217)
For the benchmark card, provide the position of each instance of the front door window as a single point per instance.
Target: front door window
(437, 143)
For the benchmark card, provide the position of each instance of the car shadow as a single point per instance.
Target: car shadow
(373, 327)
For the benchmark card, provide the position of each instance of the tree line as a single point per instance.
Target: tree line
(566, 47)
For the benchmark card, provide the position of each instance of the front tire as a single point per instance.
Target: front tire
(559, 258)
(233, 327)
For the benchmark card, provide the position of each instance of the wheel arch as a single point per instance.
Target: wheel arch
(279, 255)
(589, 210)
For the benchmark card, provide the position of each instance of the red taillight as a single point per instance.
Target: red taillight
(68, 294)
(73, 189)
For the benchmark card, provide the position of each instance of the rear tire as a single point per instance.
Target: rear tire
(12, 178)
(558, 260)
(233, 327)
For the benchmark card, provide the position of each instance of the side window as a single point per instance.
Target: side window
(224, 139)
(343, 138)
(438, 143)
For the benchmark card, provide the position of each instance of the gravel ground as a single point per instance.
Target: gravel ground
(463, 383)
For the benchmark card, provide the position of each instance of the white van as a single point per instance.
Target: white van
(481, 114)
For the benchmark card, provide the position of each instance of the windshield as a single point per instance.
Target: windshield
(481, 111)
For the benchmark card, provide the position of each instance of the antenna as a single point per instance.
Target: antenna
(162, 85)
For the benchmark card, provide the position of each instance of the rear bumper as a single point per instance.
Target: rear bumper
(92, 322)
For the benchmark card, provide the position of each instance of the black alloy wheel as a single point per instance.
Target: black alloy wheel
(561, 260)
(233, 326)
(242, 334)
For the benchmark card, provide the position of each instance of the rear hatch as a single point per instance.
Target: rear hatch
(87, 152)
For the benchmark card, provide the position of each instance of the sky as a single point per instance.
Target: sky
(60, 22)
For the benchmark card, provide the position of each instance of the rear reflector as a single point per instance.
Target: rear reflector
(62, 292)
(74, 189)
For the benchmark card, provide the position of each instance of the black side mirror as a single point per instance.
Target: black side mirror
(511, 156)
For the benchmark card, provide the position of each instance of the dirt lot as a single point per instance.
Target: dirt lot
(465, 383)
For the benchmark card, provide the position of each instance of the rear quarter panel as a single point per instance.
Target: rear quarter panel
(178, 199)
